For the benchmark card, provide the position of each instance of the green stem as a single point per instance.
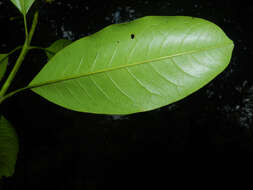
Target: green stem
(15, 69)
(26, 30)
(13, 93)
(41, 48)
(21, 57)
(11, 52)
(34, 24)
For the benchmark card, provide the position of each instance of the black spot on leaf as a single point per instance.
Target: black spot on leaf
(132, 36)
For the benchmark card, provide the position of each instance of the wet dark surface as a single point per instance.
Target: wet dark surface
(70, 150)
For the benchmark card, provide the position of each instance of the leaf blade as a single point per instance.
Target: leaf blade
(3, 65)
(56, 46)
(8, 148)
(127, 52)
(23, 5)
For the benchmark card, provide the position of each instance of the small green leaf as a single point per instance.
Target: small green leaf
(23, 5)
(136, 66)
(56, 46)
(8, 148)
(3, 65)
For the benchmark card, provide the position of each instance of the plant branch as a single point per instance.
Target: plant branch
(11, 52)
(26, 30)
(13, 93)
(34, 24)
(21, 57)
(14, 70)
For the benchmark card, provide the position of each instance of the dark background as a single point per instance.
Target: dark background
(63, 149)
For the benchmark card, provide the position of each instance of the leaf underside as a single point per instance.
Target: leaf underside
(136, 66)
(8, 148)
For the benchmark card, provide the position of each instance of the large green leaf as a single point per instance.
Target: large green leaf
(136, 66)
(56, 46)
(23, 5)
(3, 65)
(8, 148)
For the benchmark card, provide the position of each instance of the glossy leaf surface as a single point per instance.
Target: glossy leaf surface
(23, 5)
(8, 148)
(136, 66)
(56, 46)
(3, 65)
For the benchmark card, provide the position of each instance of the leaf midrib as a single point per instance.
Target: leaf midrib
(129, 65)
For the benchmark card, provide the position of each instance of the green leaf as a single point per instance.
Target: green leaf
(136, 66)
(23, 5)
(3, 65)
(56, 46)
(8, 148)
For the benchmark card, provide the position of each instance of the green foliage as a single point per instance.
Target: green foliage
(3, 65)
(23, 5)
(136, 66)
(56, 46)
(122, 69)
(8, 148)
